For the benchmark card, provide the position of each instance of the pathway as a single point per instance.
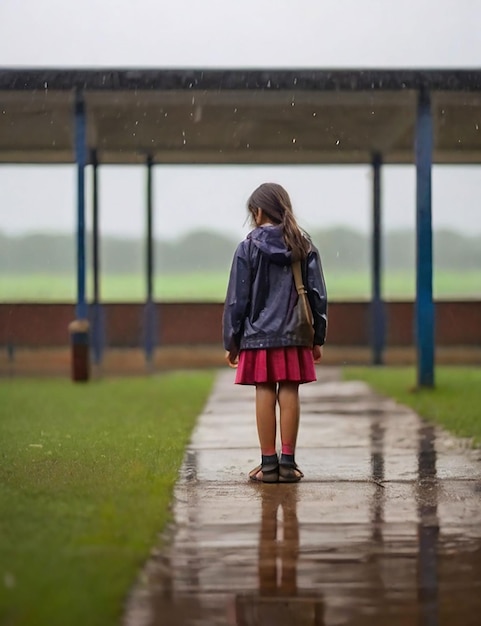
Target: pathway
(384, 530)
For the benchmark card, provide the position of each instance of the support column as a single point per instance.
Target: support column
(98, 333)
(150, 309)
(424, 309)
(80, 157)
(377, 304)
(79, 329)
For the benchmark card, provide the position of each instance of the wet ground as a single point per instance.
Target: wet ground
(385, 529)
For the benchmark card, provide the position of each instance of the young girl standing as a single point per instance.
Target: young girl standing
(261, 333)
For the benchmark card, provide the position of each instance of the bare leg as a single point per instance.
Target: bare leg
(266, 417)
(290, 411)
(288, 397)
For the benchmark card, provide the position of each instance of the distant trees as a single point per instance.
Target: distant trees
(342, 249)
(347, 249)
(196, 251)
(37, 253)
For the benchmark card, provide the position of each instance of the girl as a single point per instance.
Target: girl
(261, 336)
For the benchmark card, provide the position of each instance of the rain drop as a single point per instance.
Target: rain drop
(45, 85)
(235, 110)
(247, 145)
(338, 142)
(314, 114)
(293, 140)
(268, 84)
(476, 126)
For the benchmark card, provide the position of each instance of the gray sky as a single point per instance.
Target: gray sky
(254, 33)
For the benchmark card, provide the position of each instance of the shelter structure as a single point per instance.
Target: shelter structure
(94, 117)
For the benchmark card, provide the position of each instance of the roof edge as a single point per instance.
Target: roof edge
(25, 79)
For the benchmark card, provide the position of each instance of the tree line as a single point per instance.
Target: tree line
(342, 249)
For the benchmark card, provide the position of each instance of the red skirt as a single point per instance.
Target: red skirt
(274, 365)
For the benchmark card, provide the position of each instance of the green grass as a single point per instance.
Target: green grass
(86, 478)
(211, 286)
(208, 286)
(401, 285)
(454, 403)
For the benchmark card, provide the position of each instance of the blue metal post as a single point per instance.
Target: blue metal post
(79, 328)
(97, 311)
(377, 304)
(424, 311)
(80, 157)
(150, 309)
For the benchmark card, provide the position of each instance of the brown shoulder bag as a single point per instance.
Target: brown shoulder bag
(302, 311)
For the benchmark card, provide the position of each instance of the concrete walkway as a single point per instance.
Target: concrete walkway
(384, 530)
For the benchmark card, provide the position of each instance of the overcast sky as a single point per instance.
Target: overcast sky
(252, 33)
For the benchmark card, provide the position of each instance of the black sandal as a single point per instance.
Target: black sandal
(289, 473)
(270, 473)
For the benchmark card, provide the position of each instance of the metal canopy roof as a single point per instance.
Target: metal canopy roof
(238, 116)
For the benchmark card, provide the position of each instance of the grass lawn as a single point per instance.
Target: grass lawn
(211, 286)
(206, 286)
(455, 403)
(86, 478)
(401, 285)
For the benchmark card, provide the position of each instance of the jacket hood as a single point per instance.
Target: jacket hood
(270, 241)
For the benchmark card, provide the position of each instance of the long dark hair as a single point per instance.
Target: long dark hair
(274, 201)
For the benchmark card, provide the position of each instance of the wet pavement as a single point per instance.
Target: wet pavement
(385, 529)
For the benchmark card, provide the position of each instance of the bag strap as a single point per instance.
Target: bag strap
(296, 270)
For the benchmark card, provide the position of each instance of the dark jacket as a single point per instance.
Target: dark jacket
(258, 310)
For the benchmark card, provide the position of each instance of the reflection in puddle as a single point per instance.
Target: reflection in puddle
(278, 600)
(377, 469)
(428, 528)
